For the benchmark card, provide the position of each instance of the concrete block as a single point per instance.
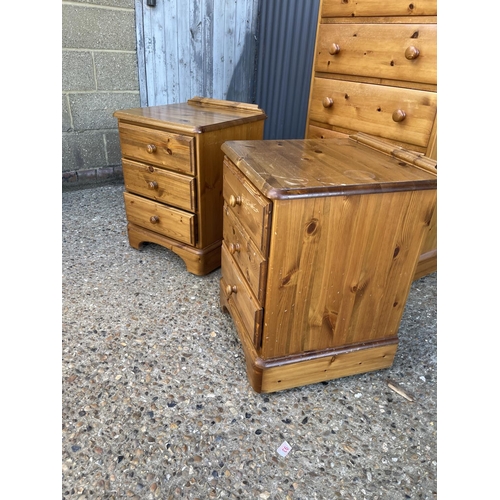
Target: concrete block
(95, 111)
(91, 177)
(87, 176)
(66, 117)
(77, 71)
(113, 149)
(81, 151)
(116, 71)
(69, 178)
(108, 174)
(110, 3)
(118, 172)
(97, 28)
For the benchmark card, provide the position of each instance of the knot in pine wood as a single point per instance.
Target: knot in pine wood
(312, 227)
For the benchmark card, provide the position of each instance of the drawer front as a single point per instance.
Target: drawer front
(313, 132)
(378, 8)
(239, 295)
(406, 52)
(397, 114)
(160, 184)
(245, 253)
(173, 151)
(168, 221)
(249, 206)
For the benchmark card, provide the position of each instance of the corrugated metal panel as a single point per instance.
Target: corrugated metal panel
(196, 47)
(285, 56)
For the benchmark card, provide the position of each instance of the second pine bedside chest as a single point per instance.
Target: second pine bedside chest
(321, 242)
(172, 169)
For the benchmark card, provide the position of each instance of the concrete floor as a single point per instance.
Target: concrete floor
(156, 402)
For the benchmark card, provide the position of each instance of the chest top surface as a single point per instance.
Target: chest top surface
(324, 167)
(197, 115)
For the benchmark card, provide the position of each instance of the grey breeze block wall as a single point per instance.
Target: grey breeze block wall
(99, 76)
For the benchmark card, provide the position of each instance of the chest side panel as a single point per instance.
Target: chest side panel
(209, 175)
(340, 269)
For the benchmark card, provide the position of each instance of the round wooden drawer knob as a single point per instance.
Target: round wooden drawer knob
(151, 148)
(153, 185)
(234, 247)
(399, 115)
(334, 49)
(154, 219)
(412, 53)
(234, 200)
(327, 102)
(231, 289)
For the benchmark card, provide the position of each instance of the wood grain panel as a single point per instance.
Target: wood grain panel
(160, 218)
(369, 108)
(160, 184)
(313, 132)
(250, 207)
(245, 253)
(335, 277)
(379, 51)
(286, 375)
(196, 116)
(378, 8)
(199, 261)
(306, 168)
(237, 292)
(165, 149)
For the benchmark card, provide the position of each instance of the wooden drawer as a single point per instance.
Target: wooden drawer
(239, 296)
(373, 109)
(160, 184)
(160, 218)
(249, 206)
(378, 8)
(244, 251)
(404, 52)
(173, 151)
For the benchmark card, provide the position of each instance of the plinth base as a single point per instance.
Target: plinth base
(199, 261)
(427, 264)
(276, 374)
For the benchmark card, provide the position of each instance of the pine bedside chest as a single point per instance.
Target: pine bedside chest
(172, 170)
(321, 239)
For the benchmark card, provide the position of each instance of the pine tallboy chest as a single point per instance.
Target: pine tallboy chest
(172, 169)
(320, 244)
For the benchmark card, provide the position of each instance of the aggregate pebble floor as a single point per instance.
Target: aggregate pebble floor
(156, 403)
